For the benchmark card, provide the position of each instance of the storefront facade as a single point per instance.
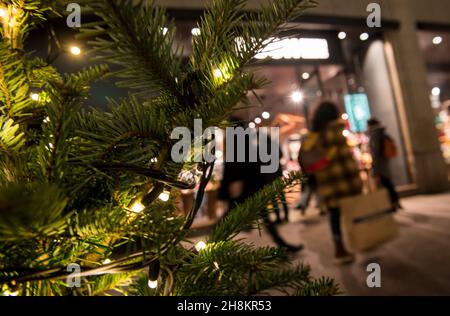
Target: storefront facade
(392, 72)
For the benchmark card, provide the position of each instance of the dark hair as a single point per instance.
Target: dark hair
(325, 113)
(373, 122)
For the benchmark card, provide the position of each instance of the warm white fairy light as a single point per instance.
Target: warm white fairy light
(344, 116)
(164, 196)
(217, 73)
(258, 120)
(200, 246)
(306, 76)
(2, 13)
(195, 31)
(137, 207)
(437, 40)
(164, 30)
(34, 97)
(436, 91)
(252, 125)
(346, 133)
(265, 115)
(107, 261)
(152, 284)
(8, 293)
(75, 50)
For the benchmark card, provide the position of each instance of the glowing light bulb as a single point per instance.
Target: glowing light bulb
(164, 30)
(346, 133)
(344, 116)
(265, 115)
(195, 31)
(342, 35)
(200, 246)
(164, 196)
(297, 96)
(364, 36)
(306, 76)
(437, 40)
(258, 120)
(217, 73)
(34, 97)
(75, 50)
(8, 293)
(107, 261)
(2, 13)
(251, 125)
(436, 91)
(152, 284)
(137, 207)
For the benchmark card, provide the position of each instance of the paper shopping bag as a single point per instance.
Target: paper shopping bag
(367, 220)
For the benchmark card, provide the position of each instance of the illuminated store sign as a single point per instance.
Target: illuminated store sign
(358, 110)
(293, 48)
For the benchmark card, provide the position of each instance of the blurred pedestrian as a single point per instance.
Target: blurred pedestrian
(382, 149)
(325, 153)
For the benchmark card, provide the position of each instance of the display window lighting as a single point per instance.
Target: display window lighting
(297, 96)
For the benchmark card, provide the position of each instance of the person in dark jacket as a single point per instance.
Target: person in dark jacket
(380, 165)
(242, 180)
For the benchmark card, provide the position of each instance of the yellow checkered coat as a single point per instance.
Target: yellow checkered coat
(340, 178)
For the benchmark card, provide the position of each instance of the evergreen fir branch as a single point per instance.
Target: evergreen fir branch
(241, 216)
(137, 43)
(320, 287)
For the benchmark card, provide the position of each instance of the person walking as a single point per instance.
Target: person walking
(325, 153)
(382, 150)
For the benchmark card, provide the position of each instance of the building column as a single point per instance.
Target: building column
(413, 101)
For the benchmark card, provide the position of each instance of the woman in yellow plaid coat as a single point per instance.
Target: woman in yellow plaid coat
(337, 173)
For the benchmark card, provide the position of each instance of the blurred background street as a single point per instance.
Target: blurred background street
(415, 263)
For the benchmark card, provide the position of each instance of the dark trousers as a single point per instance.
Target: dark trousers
(334, 215)
(276, 207)
(387, 183)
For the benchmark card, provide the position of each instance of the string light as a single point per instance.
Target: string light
(252, 125)
(164, 196)
(8, 293)
(200, 246)
(152, 284)
(34, 97)
(217, 73)
(258, 120)
(137, 207)
(75, 50)
(344, 116)
(346, 133)
(195, 31)
(265, 115)
(107, 261)
(306, 76)
(164, 30)
(2, 13)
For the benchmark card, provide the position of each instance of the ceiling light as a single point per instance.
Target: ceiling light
(364, 36)
(437, 40)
